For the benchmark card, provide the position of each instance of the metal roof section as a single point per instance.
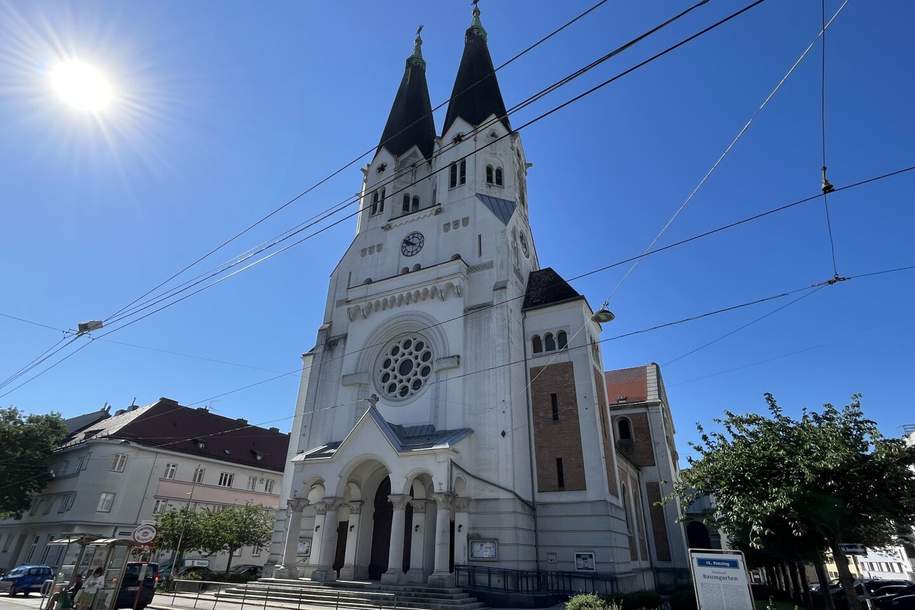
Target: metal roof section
(403, 439)
(503, 209)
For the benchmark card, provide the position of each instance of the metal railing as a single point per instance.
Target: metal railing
(533, 581)
(194, 594)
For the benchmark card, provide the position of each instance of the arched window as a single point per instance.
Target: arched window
(374, 203)
(452, 175)
(624, 427)
(405, 208)
(489, 174)
(462, 174)
(537, 344)
(562, 340)
(498, 176)
(549, 343)
(381, 202)
(415, 203)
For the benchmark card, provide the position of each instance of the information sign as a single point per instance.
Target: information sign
(720, 580)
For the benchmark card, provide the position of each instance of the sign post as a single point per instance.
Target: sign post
(143, 534)
(720, 580)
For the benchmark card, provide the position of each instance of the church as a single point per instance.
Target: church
(454, 416)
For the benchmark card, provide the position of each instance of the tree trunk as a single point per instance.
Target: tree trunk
(229, 563)
(786, 580)
(795, 582)
(845, 577)
(824, 583)
(805, 584)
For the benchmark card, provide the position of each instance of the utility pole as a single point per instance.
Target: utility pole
(186, 506)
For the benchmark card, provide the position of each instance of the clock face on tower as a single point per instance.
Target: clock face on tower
(412, 244)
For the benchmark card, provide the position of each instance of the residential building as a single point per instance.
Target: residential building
(891, 563)
(453, 410)
(115, 472)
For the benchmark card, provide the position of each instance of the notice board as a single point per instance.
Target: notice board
(720, 580)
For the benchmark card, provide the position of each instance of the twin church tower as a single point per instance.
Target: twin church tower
(453, 409)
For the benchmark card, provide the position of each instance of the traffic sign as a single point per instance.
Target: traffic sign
(144, 534)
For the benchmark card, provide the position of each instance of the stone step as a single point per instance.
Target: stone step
(411, 592)
(455, 597)
(360, 584)
(166, 601)
(350, 602)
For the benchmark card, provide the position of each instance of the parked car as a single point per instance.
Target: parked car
(248, 571)
(882, 597)
(129, 586)
(25, 579)
(873, 586)
(903, 602)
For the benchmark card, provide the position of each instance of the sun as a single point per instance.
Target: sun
(82, 86)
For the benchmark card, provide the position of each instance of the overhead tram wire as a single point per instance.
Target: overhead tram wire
(493, 141)
(702, 235)
(811, 291)
(826, 186)
(368, 151)
(587, 345)
(727, 150)
(332, 210)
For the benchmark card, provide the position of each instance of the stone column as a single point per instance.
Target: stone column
(442, 577)
(328, 534)
(461, 528)
(316, 535)
(288, 569)
(417, 571)
(394, 573)
(348, 571)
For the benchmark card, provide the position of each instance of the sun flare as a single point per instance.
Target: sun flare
(82, 86)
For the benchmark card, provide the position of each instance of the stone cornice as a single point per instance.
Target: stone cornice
(436, 289)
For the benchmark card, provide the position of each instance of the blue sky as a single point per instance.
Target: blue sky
(230, 109)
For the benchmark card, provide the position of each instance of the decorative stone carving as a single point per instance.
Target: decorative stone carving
(441, 291)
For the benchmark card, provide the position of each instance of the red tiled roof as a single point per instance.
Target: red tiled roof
(173, 427)
(629, 384)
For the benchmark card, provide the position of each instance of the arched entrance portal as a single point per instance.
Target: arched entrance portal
(381, 530)
(697, 535)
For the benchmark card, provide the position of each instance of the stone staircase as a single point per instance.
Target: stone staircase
(345, 595)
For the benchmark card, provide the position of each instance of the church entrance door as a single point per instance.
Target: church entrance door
(381, 530)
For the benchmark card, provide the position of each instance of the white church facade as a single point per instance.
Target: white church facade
(454, 409)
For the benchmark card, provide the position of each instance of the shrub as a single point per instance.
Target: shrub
(683, 598)
(589, 601)
(639, 600)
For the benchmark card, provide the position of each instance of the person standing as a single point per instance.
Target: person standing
(89, 589)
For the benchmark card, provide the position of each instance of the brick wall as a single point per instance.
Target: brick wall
(639, 450)
(658, 524)
(605, 432)
(556, 438)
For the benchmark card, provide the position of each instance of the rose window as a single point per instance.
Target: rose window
(404, 366)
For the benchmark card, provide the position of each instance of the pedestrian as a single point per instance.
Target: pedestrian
(89, 589)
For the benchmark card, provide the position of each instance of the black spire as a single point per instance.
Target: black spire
(410, 121)
(476, 93)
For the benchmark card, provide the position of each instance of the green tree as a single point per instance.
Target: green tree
(828, 478)
(179, 531)
(27, 444)
(229, 529)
